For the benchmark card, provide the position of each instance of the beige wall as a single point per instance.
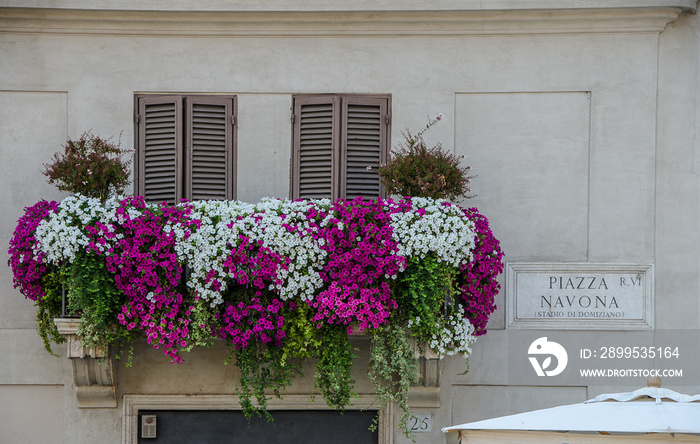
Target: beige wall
(31, 414)
(584, 143)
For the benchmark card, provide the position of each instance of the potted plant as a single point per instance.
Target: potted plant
(417, 170)
(90, 165)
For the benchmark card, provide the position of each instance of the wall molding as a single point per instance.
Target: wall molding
(342, 23)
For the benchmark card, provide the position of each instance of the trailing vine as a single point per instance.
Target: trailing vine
(425, 288)
(303, 336)
(392, 368)
(50, 307)
(261, 369)
(333, 369)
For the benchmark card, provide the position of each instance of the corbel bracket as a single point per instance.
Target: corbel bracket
(92, 369)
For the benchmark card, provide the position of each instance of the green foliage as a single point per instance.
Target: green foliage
(393, 367)
(418, 171)
(303, 338)
(91, 166)
(94, 295)
(334, 367)
(200, 334)
(331, 345)
(423, 290)
(50, 307)
(262, 369)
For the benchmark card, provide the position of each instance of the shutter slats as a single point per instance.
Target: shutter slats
(315, 134)
(206, 124)
(160, 174)
(316, 160)
(158, 163)
(335, 139)
(315, 138)
(315, 176)
(316, 152)
(159, 145)
(210, 138)
(159, 130)
(364, 125)
(205, 171)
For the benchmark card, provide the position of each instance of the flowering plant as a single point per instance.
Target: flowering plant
(421, 171)
(35, 280)
(275, 280)
(90, 165)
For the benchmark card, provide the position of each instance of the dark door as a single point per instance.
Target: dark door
(289, 427)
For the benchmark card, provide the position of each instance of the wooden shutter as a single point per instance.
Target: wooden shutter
(315, 147)
(210, 147)
(365, 144)
(159, 148)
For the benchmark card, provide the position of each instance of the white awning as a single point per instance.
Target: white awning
(647, 410)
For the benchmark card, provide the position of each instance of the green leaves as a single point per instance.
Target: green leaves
(262, 369)
(50, 307)
(418, 171)
(303, 338)
(393, 367)
(93, 294)
(334, 366)
(423, 290)
(91, 166)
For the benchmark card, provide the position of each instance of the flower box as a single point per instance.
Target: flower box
(275, 280)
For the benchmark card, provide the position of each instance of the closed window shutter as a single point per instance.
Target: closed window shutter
(159, 148)
(210, 150)
(365, 129)
(315, 147)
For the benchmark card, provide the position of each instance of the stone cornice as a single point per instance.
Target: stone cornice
(341, 23)
(344, 5)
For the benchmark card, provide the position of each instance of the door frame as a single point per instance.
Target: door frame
(132, 404)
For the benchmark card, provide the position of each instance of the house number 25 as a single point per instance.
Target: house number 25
(421, 422)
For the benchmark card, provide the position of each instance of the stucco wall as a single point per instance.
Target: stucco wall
(584, 144)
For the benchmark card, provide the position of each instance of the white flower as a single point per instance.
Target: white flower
(442, 230)
(62, 234)
(456, 336)
(272, 222)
